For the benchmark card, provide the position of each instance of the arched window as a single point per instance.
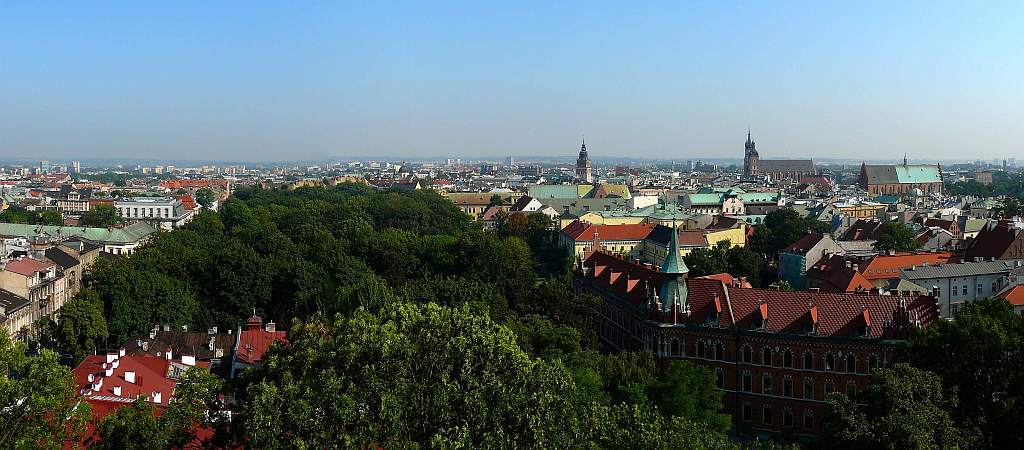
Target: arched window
(830, 362)
(766, 384)
(719, 378)
(851, 363)
(700, 349)
(787, 358)
(766, 356)
(829, 387)
(851, 389)
(808, 360)
(675, 347)
(747, 354)
(720, 352)
(787, 386)
(872, 362)
(748, 381)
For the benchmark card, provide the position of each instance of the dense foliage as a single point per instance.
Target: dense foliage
(896, 236)
(781, 228)
(412, 327)
(18, 214)
(962, 385)
(101, 216)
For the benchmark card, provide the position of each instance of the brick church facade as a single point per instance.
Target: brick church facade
(775, 354)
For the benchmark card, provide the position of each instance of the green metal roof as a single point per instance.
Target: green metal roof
(760, 197)
(548, 191)
(918, 173)
(706, 199)
(672, 264)
(127, 235)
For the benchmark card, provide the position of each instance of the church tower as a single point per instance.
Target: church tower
(751, 159)
(583, 173)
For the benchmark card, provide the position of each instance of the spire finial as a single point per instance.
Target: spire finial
(904, 159)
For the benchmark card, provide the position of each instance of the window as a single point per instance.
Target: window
(851, 389)
(719, 378)
(787, 358)
(938, 292)
(851, 363)
(720, 352)
(746, 411)
(766, 356)
(748, 381)
(808, 360)
(981, 288)
(787, 387)
(955, 291)
(830, 362)
(675, 347)
(766, 414)
(829, 387)
(787, 417)
(700, 349)
(747, 357)
(808, 420)
(872, 362)
(808, 389)
(766, 384)
(965, 289)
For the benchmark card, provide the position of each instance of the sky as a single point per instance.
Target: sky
(265, 81)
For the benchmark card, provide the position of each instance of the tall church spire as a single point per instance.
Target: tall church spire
(674, 270)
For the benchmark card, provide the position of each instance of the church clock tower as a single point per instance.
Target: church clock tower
(751, 159)
(583, 173)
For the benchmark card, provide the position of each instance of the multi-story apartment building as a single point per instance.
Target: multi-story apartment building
(162, 212)
(43, 287)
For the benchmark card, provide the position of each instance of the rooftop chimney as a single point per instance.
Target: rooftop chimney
(117, 391)
(271, 327)
(156, 397)
(129, 377)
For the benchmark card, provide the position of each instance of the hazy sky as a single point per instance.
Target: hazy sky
(250, 80)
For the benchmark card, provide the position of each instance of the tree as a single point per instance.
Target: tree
(42, 408)
(50, 218)
(744, 262)
(708, 261)
(82, 325)
(1010, 208)
(205, 197)
(689, 392)
(496, 200)
(136, 426)
(902, 407)
(896, 236)
(981, 356)
(781, 228)
(420, 375)
(101, 216)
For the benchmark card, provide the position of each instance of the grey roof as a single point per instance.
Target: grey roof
(64, 260)
(11, 302)
(786, 165)
(963, 269)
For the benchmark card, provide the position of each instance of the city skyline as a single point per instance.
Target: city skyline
(665, 81)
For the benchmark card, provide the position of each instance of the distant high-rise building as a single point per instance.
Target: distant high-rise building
(583, 171)
(44, 166)
(76, 166)
(509, 161)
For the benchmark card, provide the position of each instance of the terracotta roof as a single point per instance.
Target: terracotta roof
(834, 276)
(729, 280)
(254, 341)
(582, 231)
(152, 374)
(882, 267)
(1014, 295)
(836, 314)
(27, 266)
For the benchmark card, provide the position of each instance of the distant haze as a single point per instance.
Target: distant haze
(672, 80)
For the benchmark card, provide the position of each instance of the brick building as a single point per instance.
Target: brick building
(775, 354)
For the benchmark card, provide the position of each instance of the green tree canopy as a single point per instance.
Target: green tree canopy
(205, 197)
(41, 407)
(781, 228)
(896, 236)
(101, 216)
(902, 407)
(82, 326)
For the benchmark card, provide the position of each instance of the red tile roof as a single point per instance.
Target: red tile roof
(881, 267)
(27, 266)
(729, 280)
(583, 231)
(836, 314)
(1014, 295)
(254, 341)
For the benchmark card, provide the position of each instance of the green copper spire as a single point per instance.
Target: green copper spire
(672, 262)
